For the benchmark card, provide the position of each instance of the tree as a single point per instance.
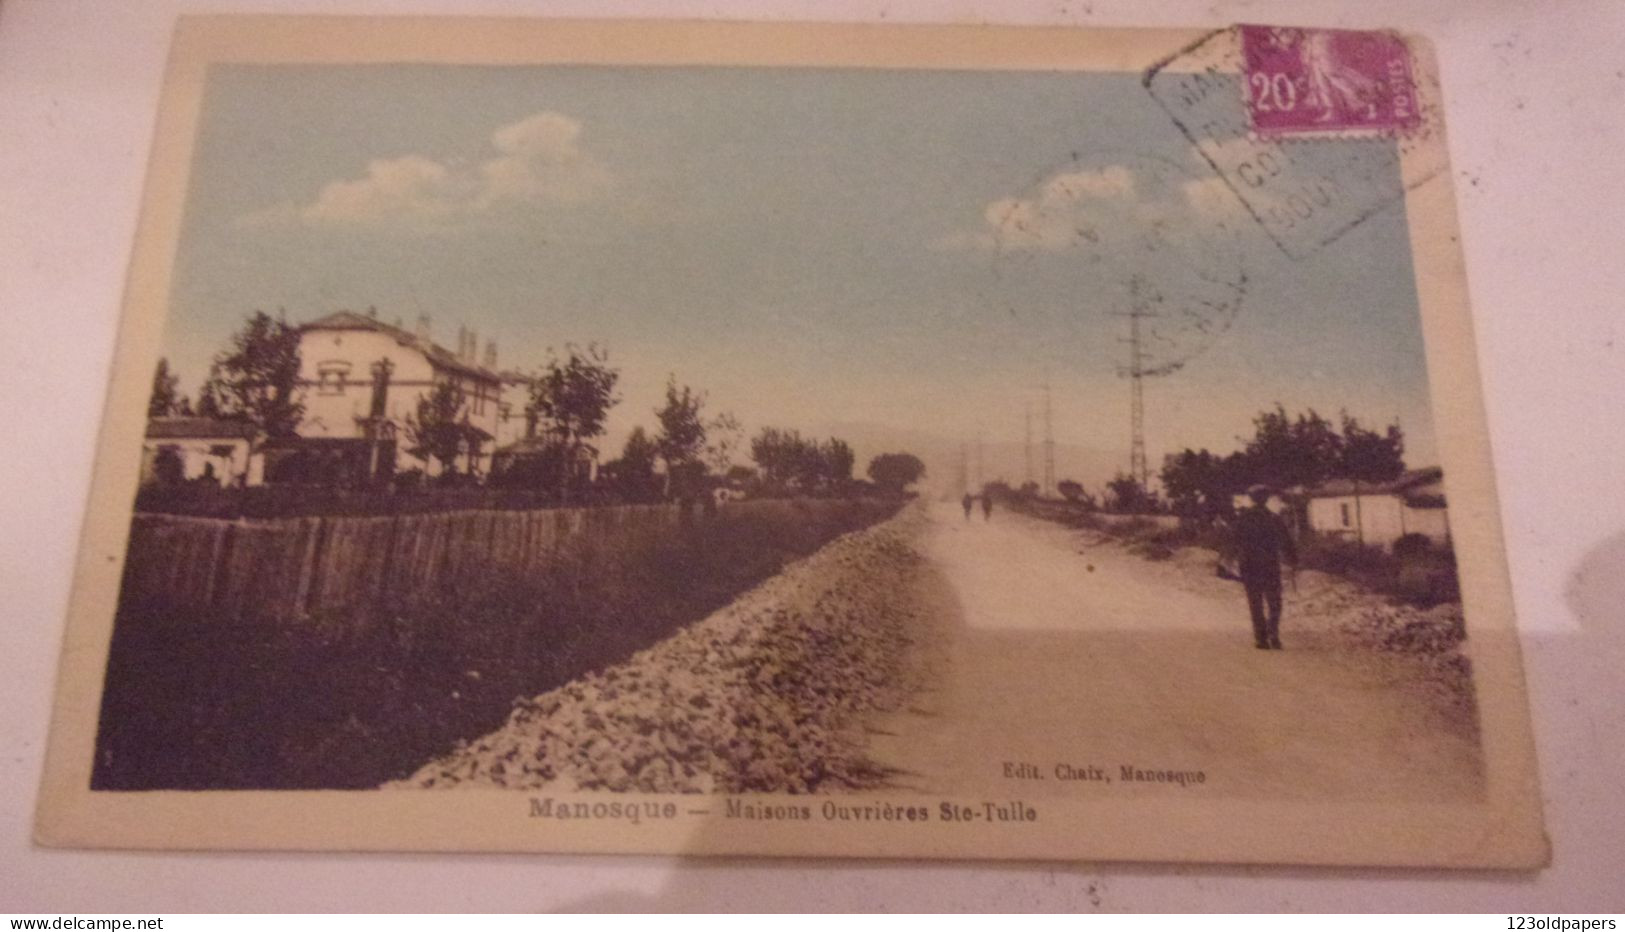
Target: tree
(638, 456)
(1188, 478)
(1200, 484)
(682, 435)
(896, 471)
(789, 460)
(778, 453)
(570, 401)
(209, 403)
(838, 459)
(1285, 452)
(1072, 490)
(439, 429)
(257, 379)
(633, 474)
(1368, 456)
(723, 436)
(166, 400)
(1128, 496)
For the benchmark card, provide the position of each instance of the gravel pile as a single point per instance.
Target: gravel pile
(1434, 636)
(766, 695)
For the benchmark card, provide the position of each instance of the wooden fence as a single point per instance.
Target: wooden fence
(292, 568)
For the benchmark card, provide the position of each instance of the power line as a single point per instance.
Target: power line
(1049, 443)
(1137, 466)
(1027, 443)
(981, 477)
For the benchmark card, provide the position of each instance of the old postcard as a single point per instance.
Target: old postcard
(813, 440)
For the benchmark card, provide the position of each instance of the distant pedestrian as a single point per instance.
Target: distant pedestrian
(987, 507)
(1262, 541)
(969, 501)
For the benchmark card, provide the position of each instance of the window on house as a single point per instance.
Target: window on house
(221, 449)
(331, 378)
(1348, 518)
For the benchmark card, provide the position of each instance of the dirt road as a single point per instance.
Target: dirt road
(1065, 650)
(968, 657)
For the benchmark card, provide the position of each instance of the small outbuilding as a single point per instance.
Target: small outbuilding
(1380, 513)
(187, 449)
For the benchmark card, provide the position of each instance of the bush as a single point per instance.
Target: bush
(1412, 545)
(1135, 527)
(1152, 549)
(1421, 576)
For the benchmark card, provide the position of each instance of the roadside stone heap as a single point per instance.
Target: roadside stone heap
(766, 695)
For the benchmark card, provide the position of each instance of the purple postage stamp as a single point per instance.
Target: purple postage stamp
(1319, 80)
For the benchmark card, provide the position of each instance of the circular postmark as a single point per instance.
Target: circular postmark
(1110, 245)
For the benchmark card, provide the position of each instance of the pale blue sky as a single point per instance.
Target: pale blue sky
(808, 246)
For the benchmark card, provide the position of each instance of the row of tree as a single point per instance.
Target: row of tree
(256, 381)
(787, 460)
(1285, 451)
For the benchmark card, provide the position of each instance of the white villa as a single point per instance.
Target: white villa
(361, 378)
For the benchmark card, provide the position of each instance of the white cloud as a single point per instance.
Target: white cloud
(1060, 213)
(412, 189)
(541, 160)
(1087, 206)
(538, 161)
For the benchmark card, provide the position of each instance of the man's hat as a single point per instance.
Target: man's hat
(1260, 490)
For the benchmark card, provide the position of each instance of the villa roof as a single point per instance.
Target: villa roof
(1407, 481)
(437, 354)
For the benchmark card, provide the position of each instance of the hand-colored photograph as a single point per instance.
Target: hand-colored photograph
(942, 447)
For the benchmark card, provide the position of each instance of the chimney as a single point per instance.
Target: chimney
(423, 327)
(473, 346)
(462, 341)
(491, 355)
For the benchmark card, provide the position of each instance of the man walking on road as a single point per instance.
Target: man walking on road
(1261, 542)
(969, 501)
(987, 507)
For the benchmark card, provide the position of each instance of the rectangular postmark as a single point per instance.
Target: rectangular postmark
(1309, 150)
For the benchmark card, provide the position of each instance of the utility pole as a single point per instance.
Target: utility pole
(1137, 466)
(981, 477)
(1027, 444)
(1049, 444)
